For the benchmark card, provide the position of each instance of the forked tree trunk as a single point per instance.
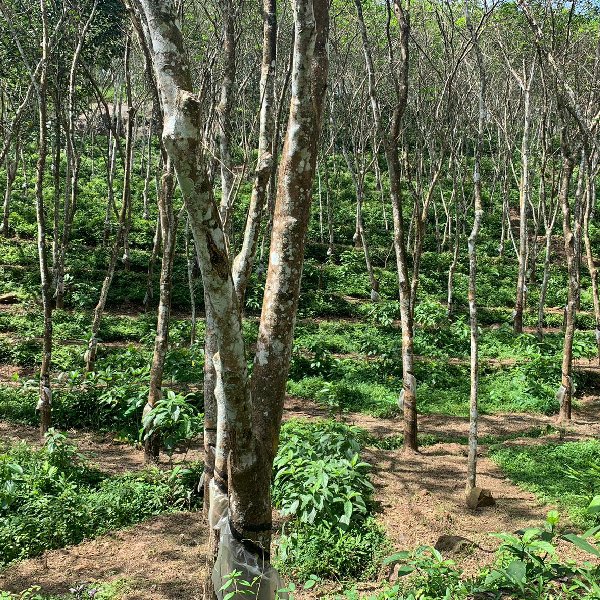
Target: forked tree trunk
(247, 429)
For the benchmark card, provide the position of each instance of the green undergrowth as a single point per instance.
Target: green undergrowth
(566, 474)
(393, 442)
(111, 590)
(372, 387)
(323, 488)
(52, 497)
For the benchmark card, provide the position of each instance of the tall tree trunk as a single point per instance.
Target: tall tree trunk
(565, 392)
(472, 246)
(590, 194)
(389, 139)
(224, 112)
(360, 241)
(45, 397)
(524, 192)
(290, 224)
(247, 429)
(168, 226)
(90, 355)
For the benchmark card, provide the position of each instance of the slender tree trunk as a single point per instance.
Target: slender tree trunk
(453, 264)
(148, 176)
(45, 397)
(360, 240)
(565, 392)
(390, 142)
(168, 226)
(472, 246)
(523, 204)
(191, 262)
(156, 245)
(224, 112)
(242, 265)
(593, 270)
(90, 355)
(11, 174)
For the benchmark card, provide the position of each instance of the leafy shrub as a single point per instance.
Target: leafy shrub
(316, 551)
(174, 419)
(51, 497)
(320, 481)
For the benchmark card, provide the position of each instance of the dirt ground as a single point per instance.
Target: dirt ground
(419, 498)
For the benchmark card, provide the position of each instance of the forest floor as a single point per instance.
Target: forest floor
(420, 500)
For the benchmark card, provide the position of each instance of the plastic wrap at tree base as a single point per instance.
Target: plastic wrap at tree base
(218, 506)
(232, 557)
(560, 394)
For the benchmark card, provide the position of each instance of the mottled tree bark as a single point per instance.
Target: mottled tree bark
(168, 226)
(472, 247)
(224, 112)
(45, 397)
(290, 224)
(565, 392)
(248, 430)
(242, 265)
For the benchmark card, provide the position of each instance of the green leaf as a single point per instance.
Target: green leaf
(582, 544)
(517, 571)
(594, 506)
(402, 555)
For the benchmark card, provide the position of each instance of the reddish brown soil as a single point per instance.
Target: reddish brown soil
(161, 559)
(420, 497)
(102, 450)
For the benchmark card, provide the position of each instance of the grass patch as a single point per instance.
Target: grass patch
(555, 473)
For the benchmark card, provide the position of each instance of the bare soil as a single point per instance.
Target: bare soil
(419, 497)
(160, 559)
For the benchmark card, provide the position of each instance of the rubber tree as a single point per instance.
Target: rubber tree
(168, 226)
(45, 397)
(247, 430)
(390, 140)
(472, 250)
